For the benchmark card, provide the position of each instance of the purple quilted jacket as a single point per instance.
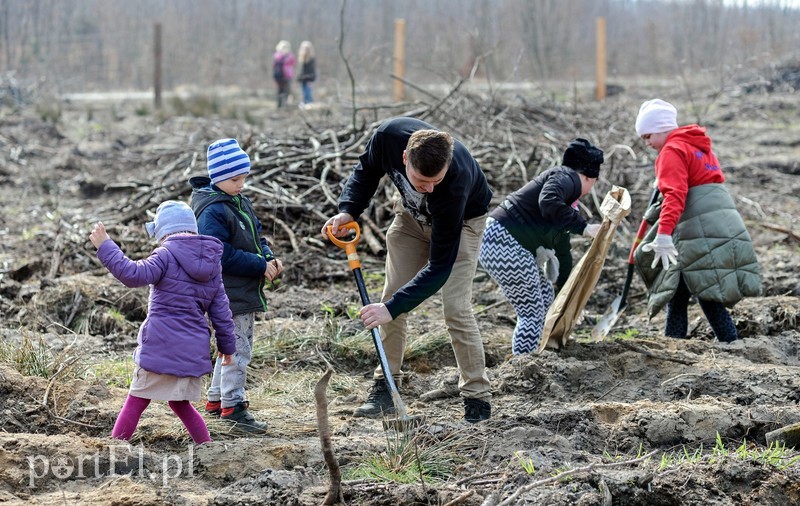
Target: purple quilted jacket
(186, 283)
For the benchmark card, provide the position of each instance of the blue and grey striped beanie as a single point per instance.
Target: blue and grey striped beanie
(226, 160)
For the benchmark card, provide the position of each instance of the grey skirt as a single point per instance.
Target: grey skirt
(165, 387)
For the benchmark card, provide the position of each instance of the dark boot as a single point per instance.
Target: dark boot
(243, 420)
(379, 402)
(476, 410)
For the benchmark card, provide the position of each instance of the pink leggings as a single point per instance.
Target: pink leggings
(134, 406)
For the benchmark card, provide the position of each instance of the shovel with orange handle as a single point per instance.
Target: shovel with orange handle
(404, 421)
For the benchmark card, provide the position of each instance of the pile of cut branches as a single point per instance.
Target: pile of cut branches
(296, 179)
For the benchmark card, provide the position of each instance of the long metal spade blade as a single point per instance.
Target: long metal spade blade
(603, 326)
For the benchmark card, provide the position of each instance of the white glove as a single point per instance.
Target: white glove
(548, 263)
(591, 230)
(664, 250)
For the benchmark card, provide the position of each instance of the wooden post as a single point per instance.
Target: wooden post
(399, 58)
(157, 66)
(600, 90)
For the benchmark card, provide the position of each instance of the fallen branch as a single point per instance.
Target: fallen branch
(650, 353)
(375, 228)
(530, 486)
(286, 228)
(784, 230)
(371, 240)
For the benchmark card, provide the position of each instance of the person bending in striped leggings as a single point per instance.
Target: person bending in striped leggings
(526, 246)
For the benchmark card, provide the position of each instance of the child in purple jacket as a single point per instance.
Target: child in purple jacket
(185, 278)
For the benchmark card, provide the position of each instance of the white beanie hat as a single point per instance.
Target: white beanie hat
(656, 116)
(172, 216)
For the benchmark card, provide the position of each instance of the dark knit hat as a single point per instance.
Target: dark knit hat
(581, 156)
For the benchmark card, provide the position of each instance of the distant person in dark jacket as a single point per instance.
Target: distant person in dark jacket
(308, 71)
(699, 245)
(247, 264)
(526, 244)
(173, 345)
(432, 244)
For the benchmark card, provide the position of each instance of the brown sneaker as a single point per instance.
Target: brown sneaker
(242, 419)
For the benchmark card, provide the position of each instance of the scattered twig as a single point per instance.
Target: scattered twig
(460, 499)
(76, 304)
(608, 391)
(61, 368)
(415, 86)
(73, 421)
(475, 477)
(755, 205)
(652, 354)
(679, 376)
(491, 306)
(58, 249)
(375, 228)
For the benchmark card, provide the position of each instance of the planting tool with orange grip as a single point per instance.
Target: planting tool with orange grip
(404, 421)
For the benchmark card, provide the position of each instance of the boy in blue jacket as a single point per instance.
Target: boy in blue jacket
(247, 263)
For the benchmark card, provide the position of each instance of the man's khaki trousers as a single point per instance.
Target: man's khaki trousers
(407, 246)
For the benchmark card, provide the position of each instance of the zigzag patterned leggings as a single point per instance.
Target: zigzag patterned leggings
(514, 268)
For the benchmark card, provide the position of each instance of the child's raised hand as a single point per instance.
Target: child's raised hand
(226, 359)
(99, 234)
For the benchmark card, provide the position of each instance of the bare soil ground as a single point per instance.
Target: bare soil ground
(637, 419)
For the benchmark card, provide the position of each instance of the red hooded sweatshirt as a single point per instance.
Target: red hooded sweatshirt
(685, 161)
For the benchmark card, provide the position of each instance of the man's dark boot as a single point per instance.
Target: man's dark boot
(379, 402)
(242, 419)
(476, 410)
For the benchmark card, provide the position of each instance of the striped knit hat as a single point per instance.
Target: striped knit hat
(226, 160)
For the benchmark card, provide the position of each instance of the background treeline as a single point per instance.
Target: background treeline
(80, 45)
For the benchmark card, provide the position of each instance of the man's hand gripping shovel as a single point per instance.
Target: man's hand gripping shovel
(612, 314)
(403, 422)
